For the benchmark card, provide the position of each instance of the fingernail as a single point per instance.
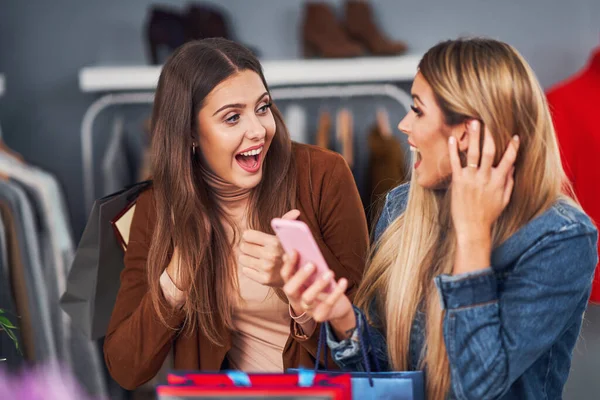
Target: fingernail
(452, 140)
(516, 138)
(308, 267)
(327, 275)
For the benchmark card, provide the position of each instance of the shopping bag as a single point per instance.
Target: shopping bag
(121, 224)
(94, 277)
(372, 384)
(240, 385)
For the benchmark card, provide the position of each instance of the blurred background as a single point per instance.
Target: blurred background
(76, 84)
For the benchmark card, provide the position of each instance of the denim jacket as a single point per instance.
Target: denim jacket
(510, 329)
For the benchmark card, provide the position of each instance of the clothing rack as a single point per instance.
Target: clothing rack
(296, 93)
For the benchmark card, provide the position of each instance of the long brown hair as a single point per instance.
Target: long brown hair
(471, 78)
(188, 216)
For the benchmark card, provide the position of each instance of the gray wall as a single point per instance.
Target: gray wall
(43, 45)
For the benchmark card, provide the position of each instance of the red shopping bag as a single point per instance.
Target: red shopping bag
(237, 385)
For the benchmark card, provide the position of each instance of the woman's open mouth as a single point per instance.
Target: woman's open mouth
(249, 160)
(417, 156)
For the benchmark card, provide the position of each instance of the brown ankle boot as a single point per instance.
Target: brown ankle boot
(361, 26)
(324, 36)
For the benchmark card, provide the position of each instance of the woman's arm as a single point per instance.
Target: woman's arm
(345, 345)
(343, 224)
(346, 348)
(494, 331)
(137, 343)
(345, 233)
(493, 337)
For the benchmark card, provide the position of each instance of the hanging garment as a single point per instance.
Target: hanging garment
(46, 192)
(323, 130)
(16, 267)
(49, 266)
(386, 166)
(345, 135)
(295, 120)
(36, 185)
(70, 345)
(13, 357)
(44, 348)
(574, 108)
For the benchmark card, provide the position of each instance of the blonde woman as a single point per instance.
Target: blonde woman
(482, 265)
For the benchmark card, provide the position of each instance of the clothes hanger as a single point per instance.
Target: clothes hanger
(383, 122)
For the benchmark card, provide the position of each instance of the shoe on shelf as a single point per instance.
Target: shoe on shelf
(323, 35)
(360, 26)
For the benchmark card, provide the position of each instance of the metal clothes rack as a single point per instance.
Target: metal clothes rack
(282, 93)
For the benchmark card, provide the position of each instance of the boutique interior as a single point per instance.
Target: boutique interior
(77, 84)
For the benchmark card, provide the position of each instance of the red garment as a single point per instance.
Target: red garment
(575, 108)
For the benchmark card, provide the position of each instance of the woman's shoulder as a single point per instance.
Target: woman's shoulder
(144, 197)
(319, 167)
(565, 218)
(564, 228)
(145, 207)
(395, 204)
(315, 156)
(566, 213)
(567, 223)
(396, 200)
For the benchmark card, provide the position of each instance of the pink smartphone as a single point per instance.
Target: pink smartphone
(296, 235)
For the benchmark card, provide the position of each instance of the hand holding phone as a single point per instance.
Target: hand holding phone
(317, 300)
(296, 236)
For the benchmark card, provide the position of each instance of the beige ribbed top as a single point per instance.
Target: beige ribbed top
(261, 320)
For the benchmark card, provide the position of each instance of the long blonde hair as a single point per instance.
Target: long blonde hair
(471, 78)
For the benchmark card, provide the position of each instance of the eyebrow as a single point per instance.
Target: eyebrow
(416, 97)
(238, 105)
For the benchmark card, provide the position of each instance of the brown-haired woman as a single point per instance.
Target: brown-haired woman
(202, 271)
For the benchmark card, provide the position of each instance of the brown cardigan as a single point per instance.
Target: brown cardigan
(137, 344)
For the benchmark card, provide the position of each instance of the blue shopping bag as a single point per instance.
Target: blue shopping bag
(400, 385)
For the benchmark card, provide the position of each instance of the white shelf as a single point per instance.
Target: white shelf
(1, 85)
(277, 73)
